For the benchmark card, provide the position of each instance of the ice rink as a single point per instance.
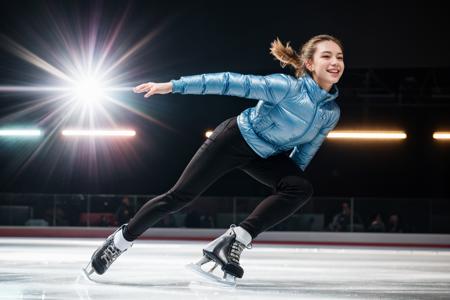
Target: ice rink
(32, 268)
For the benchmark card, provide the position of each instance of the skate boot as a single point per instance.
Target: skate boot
(106, 254)
(225, 251)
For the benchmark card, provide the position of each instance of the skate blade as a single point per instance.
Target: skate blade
(88, 271)
(228, 281)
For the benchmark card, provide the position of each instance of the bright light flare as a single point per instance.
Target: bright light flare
(368, 135)
(441, 135)
(80, 75)
(99, 133)
(20, 132)
(89, 90)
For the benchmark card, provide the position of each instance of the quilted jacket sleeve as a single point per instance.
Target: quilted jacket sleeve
(272, 88)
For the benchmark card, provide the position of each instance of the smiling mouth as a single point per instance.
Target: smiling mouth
(335, 73)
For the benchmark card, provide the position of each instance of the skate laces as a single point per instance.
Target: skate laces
(237, 247)
(232, 226)
(110, 254)
(235, 251)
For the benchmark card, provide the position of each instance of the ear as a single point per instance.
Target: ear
(309, 65)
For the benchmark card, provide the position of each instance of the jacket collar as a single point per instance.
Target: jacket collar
(316, 93)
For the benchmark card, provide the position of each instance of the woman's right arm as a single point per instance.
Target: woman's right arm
(272, 88)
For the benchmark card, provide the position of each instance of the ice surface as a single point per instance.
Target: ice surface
(37, 268)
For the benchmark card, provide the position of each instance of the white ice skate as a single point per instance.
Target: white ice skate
(103, 257)
(225, 251)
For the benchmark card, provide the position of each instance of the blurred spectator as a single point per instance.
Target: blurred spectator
(342, 220)
(377, 224)
(394, 224)
(124, 212)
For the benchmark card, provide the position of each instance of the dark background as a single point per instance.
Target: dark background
(397, 77)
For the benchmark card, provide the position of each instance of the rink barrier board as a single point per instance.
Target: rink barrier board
(357, 239)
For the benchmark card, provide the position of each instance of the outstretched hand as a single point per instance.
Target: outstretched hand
(151, 88)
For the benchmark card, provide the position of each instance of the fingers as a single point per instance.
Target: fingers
(140, 88)
(145, 87)
(150, 92)
(150, 88)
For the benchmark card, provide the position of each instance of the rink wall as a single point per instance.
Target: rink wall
(346, 239)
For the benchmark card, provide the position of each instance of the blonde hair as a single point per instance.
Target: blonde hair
(289, 57)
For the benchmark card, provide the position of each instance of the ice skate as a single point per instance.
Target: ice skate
(104, 256)
(225, 251)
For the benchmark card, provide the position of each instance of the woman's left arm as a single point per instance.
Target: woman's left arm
(304, 153)
(272, 88)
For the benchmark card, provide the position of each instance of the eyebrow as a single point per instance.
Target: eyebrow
(330, 52)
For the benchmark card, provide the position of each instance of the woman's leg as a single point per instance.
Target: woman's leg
(222, 152)
(290, 192)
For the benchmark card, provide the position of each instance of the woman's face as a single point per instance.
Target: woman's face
(327, 64)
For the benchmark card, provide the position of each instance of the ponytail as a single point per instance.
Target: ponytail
(289, 57)
(286, 55)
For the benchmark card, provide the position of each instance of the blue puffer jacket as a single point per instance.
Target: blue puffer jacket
(292, 114)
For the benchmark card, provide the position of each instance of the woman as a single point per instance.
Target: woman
(273, 142)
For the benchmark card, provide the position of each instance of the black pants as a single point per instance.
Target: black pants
(223, 151)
